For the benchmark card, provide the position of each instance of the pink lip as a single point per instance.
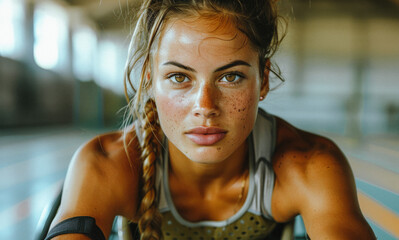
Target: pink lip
(206, 136)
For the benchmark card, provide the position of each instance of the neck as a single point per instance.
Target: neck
(208, 175)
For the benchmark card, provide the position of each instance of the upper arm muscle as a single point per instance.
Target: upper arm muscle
(331, 209)
(99, 184)
(314, 179)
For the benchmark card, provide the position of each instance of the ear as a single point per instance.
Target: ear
(148, 79)
(264, 88)
(148, 83)
(148, 76)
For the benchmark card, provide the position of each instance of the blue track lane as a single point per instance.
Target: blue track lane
(386, 198)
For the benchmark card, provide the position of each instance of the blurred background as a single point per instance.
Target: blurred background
(61, 83)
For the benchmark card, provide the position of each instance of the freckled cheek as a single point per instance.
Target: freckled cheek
(171, 111)
(242, 108)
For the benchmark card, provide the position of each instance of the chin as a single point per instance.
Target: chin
(208, 155)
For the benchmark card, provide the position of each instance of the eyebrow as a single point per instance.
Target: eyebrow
(232, 64)
(227, 66)
(180, 66)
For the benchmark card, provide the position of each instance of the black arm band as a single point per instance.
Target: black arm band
(82, 225)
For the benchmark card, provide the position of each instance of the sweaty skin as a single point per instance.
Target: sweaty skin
(206, 76)
(190, 51)
(205, 80)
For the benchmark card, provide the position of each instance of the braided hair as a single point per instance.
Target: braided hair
(150, 219)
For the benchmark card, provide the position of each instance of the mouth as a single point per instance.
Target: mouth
(206, 136)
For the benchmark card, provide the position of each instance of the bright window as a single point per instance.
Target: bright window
(84, 47)
(50, 36)
(11, 27)
(109, 66)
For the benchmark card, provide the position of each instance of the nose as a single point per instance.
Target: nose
(206, 102)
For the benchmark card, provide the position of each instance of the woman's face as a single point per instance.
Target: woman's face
(206, 85)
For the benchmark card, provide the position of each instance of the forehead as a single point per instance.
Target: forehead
(203, 36)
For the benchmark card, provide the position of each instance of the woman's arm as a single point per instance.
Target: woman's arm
(314, 179)
(100, 183)
(330, 208)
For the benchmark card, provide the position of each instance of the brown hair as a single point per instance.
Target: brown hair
(257, 19)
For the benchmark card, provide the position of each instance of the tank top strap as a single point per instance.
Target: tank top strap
(159, 179)
(264, 141)
(264, 135)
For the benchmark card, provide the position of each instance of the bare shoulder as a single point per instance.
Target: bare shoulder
(303, 162)
(112, 160)
(102, 180)
(305, 152)
(314, 179)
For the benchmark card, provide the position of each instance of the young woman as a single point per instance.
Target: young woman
(200, 160)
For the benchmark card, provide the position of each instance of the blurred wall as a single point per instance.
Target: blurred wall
(340, 60)
(44, 84)
(33, 96)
